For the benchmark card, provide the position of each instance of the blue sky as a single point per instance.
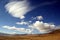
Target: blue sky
(28, 14)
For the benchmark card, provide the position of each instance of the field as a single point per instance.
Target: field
(51, 36)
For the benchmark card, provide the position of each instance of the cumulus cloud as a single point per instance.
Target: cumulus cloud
(43, 27)
(38, 18)
(18, 8)
(28, 31)
(37, 25)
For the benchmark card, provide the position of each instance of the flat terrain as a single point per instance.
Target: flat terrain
(51, 36)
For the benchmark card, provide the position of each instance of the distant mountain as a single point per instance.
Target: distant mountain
(4, 34)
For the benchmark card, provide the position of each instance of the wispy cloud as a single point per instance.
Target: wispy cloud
(18, 8)
(22, 23)
(28, 31)
(46, 3)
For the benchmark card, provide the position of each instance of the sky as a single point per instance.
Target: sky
(29, 16)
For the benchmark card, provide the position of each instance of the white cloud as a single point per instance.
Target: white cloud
(43, 27)
(38, 25)
(22, 23)
(28, 31)
(18, 8)
(39, 17)
(8, 27)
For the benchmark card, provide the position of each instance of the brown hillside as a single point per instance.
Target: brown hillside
(51, 36)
